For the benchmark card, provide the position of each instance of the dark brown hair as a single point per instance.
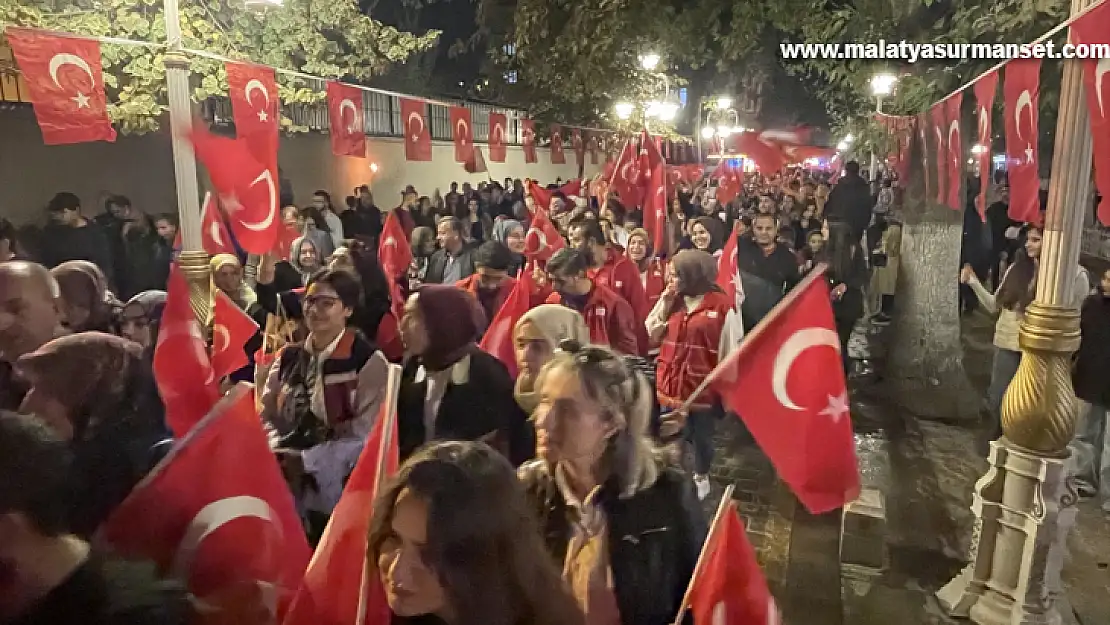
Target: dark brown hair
(1018, 287)
(484, 543)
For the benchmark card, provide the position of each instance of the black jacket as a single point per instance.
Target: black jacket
(850, 201)
(1092, 361)
(655, 537)
(484, 405)
(765, 278)
(63, 243)
(437, 265)
(146, 263)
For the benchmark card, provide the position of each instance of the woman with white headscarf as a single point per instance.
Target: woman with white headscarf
(535, 337)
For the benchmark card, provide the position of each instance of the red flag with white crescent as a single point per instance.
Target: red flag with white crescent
(628, 176)
(542, 239)
(182, 370)
(498, 339)
(462, 133)
(395, 257)
(939, 126)
(528, 140)
(213, 233)
(1021, 96)
(578, 145)
(253, 92)
(557, 156)
(1091, 29)
(655, 193)
(984, 103)
(65, 80)
(592, 147)
(232, 535)
(231, 330)
(786, 381)
(418, 137)
(247, 189)
(924, 136)
(954, 141)
(498, 125)
(348, 132)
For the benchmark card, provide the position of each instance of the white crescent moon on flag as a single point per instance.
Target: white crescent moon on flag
(720, 614)
(529, 135)
(214, 233)
(348, 104)
(418, 118)
(541, 236)
(1023, 101)
(219, 330)
(271, 189)
(498, 133)
(624, 171)
(253, 85)
(211, 518)
(953, 127)
(984, 121)
(940, 135)
(64, 58)
(465, 129)
(798, 342)
(1100, 71)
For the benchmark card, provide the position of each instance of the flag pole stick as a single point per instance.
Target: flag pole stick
(761, 327)
(393, 386)
(722, 507)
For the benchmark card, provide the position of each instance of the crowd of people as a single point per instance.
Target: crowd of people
(583, 462)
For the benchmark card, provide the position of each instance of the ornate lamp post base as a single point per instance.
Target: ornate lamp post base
(1024, 508)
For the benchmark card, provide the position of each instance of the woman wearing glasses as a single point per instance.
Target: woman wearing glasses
(625, 528)
(322, 396)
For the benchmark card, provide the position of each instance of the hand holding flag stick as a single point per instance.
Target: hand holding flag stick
(706, 548)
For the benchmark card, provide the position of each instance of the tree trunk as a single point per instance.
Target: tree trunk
(925, 372)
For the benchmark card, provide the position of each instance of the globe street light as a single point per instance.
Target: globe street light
(624, 109)
(649, 61)
(881, 85)
(707, 132)
(724, 102)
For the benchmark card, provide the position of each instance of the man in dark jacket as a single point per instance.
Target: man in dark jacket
(144, 263)
(454, 260)
(850, 200)
(72, 237)
(52, 577)
(768, 269)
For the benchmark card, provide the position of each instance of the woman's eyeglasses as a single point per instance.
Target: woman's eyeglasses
(321, 302)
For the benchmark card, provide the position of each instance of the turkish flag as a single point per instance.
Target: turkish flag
(182, 371)
(528, 140)
(498, 339)
(655, 195)
(217, 514)
(675, 175)
(786, 381)
(923, 133)
(557, 156)
(213, 233)
(340, 586)
(477, 162)
(730, 588)
(418, 138)
(348, 133)
(231, 330)
(284, 245)
(592, 148)
(905, 140)
(955, 159)
(543, 196)
(768, 157)
(542, 239)
(578, 145)
(628, 177)
(798, 135)
(462, 133)
(66, 83)
(984, 101)
(395, 257)
(940, 155)
(1021, 95)
(247, 188)
(254, 102)
(693, 172)
(730, 182)
(497, 128)
(1091, 29)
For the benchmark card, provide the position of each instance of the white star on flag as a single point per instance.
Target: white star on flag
(837, 408)
(82, 100)
(1028, 153)
(262, 116)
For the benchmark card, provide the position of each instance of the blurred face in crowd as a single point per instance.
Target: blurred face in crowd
(228, 278)
(700, 237)
(135, 326)
(66, 216)
(1104, 284)
(291, 217)
(324, 312)
(307, 256)
(532, 350)
(808, 212)
(637, 248)
(414, 334)
(570, 427)
(166, 229)
(573, 285)
(514, 240)
(472, 206)
(1033, 243)
(447, 237)
(822, 191)
(410, 200)
(1004, 194)
(530, 202)
(119, 211)
(365, 197)
(320, 201)
(787, 203)
(29, 312)
(766, 205)
(489, 279)
(816, 241)
(557, 204)
(412, 587)
(764, 230)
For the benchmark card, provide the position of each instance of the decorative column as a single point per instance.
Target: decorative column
(193, 260)
(1025, 505)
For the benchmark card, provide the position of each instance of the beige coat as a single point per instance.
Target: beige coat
(884, 280)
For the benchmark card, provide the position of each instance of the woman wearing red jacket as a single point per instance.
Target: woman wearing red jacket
(652, 270)
(690, 333)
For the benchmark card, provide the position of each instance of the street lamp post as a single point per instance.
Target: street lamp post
(1025, 504)
(881, 85)
(193, 260)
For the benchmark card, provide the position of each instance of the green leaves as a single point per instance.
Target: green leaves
(328, 38)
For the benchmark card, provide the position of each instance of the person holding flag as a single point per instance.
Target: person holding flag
(454, 543)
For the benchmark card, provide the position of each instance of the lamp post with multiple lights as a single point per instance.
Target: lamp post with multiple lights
(882, 85)
(716, 123)
(664, 109)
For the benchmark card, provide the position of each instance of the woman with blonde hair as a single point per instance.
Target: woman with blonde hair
(625, 528)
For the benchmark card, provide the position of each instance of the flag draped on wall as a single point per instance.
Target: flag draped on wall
(418, 138)
(348, 132)
(984, 103)
(1021, 94)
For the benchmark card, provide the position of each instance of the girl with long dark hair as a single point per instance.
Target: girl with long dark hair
(455, 543)
(847, 274)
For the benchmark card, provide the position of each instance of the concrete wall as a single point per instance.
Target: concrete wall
(142, 169)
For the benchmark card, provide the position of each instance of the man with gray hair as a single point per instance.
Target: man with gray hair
(453, 261)
(30, 316)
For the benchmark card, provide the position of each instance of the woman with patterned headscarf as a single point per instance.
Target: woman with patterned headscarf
(87, 303)
(96, 391)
